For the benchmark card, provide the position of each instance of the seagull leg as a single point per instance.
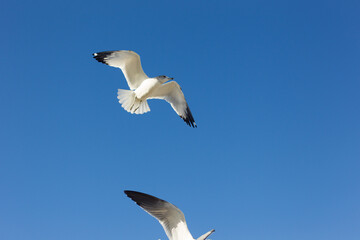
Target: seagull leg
(138, 106)
(132, 107)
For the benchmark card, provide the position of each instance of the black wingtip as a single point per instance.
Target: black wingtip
(132, 194)
(142, 199)
(102, 56)
(127, 191)
(188, 118)
(135, 194)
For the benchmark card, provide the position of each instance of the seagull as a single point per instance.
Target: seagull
(142, 87)
(169, 216)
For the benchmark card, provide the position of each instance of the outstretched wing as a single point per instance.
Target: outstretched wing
(169, 216)
(128, 62)
(204, 236)
(171, 92)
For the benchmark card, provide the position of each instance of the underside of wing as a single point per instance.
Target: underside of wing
(169, 216)
(172, 93)
(128, 61)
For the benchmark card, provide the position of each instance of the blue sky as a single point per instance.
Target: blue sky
(274, 89)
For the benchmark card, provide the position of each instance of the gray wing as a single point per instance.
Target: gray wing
(128, 62)
(172, 93)
(169, 216)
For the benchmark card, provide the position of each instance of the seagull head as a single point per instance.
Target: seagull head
(164, 78)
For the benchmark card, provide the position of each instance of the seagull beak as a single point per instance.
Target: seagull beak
(171, 78)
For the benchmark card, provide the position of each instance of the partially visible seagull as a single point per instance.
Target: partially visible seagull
(169, 216)
(142, 87)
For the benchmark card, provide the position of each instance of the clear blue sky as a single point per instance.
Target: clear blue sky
(274, 89)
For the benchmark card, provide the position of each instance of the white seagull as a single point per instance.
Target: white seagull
(142, 87)
(169, 216)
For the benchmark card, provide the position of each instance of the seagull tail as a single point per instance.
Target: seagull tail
(130, 103)
(203, 237)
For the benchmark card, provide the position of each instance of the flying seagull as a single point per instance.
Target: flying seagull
(142, 87)
(169, 216)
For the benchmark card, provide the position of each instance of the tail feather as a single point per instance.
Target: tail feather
(142, 108)
(130, 103)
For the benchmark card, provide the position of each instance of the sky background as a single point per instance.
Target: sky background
(274, 89)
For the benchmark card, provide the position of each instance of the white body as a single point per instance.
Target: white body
(146, 88)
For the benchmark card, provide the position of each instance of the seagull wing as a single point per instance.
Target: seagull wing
(128, 62)
(171, 92)
(169, 216)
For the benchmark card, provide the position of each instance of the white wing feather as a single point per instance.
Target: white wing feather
(128, 61)
(169, 216)
(172, 93)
